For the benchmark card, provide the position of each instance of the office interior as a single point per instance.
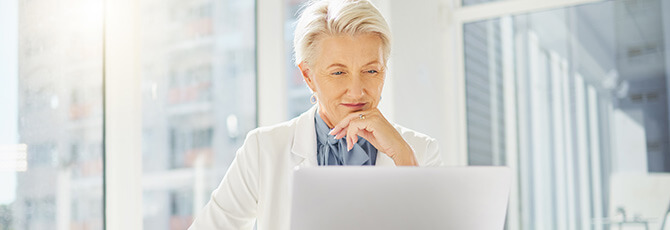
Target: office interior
(126, 114)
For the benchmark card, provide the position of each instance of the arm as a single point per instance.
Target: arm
(233, 204)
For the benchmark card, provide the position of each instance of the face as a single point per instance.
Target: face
(347, 74)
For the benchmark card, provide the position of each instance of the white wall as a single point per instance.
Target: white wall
(272, 95)
(418, 81)
(629, 141)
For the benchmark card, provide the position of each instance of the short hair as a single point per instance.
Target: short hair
(337, 17)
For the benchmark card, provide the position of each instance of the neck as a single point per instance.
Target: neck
(325, 118)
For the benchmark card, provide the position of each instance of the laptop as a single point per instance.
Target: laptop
(330, 198)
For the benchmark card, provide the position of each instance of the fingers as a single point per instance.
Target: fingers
(345, 130)
(355, 128)
(345, 122)
(352, 126)
(341, 132)
(352, 136)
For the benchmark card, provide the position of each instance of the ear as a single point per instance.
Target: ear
(307, 75)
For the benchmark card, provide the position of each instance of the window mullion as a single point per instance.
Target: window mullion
(123, 156)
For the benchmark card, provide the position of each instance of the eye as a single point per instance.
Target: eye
(337, 73)
(372, 71)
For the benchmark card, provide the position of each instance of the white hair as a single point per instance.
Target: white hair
(337, 17)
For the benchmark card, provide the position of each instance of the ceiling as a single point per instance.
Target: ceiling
(632, 30)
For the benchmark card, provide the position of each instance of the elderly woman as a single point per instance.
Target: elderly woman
(342, 48)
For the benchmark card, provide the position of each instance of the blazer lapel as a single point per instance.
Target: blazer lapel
(303, 148)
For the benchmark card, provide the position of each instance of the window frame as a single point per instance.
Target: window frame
(456, 17)
(123, 116)
(122, 140)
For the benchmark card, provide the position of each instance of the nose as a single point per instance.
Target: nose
(356, 88)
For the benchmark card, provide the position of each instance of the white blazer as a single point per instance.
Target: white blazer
(257, 184)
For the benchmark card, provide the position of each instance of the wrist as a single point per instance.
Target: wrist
(404, 157)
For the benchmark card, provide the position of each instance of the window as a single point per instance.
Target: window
(51, 135)
(198, 101)
(297, 90)
(575, 100)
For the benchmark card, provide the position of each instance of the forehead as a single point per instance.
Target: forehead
(349, 50)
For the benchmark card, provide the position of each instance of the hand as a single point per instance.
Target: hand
(372, 126)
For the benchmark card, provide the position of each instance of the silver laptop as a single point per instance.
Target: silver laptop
(371, 198)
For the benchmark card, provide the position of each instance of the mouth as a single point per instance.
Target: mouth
(354, 106)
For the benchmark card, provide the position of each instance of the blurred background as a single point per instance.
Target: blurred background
(570, 94)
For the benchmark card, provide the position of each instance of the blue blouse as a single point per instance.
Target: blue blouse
(331, 151)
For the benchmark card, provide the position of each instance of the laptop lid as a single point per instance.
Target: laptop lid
(400, 198)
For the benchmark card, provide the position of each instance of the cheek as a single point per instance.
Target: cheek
(376, 86)
(329, 90)
(380, 86)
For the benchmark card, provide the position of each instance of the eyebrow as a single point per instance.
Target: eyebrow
(344, 66)
(372, 62)
(337, 65)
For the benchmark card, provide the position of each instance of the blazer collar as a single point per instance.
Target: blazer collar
(304, 139)
(303, 147)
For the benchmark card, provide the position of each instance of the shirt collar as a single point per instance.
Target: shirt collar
(360, 154)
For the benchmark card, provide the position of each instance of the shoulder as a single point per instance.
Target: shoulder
(284, 132)
(414, 137)
(281, 133)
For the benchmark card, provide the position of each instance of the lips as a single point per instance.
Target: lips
(354, 106)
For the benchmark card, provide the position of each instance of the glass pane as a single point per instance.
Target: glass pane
(199, 100)
(297, 90)
(51, 135)
(484, 92)
(575, 100)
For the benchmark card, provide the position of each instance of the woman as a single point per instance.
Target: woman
(341, 48)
